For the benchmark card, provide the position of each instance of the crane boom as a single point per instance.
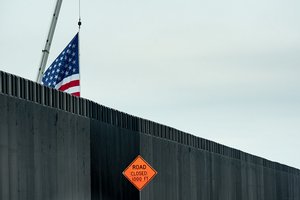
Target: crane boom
(46, 50)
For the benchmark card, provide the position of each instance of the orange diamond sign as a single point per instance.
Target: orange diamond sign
(139, 173)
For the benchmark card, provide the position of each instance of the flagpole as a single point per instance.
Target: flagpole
(79, 25)
(46, 50)
(79, 55)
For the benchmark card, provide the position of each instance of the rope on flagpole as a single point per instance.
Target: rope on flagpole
(79, 24)
(79, 20)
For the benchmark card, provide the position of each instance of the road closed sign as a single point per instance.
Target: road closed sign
(139, 173)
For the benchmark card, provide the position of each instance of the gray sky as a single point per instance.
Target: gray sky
(227, 71)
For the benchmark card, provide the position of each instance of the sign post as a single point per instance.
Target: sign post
(139, 173)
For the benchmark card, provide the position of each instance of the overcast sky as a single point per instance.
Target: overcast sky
(227, 71)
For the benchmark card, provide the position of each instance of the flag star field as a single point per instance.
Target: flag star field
(63, 73)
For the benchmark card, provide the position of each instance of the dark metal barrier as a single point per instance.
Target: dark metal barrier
(25, 89)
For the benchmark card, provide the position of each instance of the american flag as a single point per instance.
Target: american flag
(63, 73)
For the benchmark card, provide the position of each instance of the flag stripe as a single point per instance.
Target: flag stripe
(77, 94)
(69, 85)
(72, 89)
(67, 80)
